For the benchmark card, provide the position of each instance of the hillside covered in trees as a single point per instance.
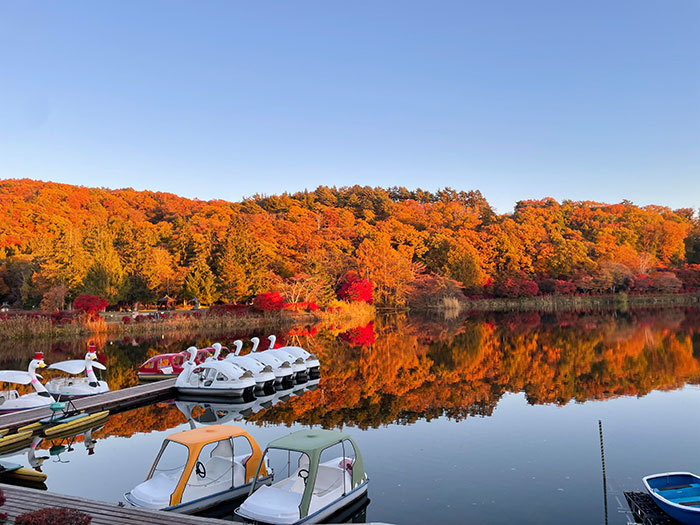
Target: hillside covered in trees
(58, 240)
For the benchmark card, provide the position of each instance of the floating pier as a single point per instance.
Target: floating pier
(115, 402)
(648, 512)
(19, 500)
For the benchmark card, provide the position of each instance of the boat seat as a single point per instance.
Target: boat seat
(328, 479)
(674, 487)
(689, 503)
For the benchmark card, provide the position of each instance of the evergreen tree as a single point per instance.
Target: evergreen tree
(241, 264)
(200, 283)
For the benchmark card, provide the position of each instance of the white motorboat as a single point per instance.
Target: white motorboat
(282, 368)
(297, 363)
(313, 365)
(78, 386)
(263, 374)
(324, 473)
(10, 400)
(214, 378)
(200, 468)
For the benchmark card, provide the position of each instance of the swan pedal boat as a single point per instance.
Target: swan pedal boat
(298, 365)
(316, 490)
(214, 378)
(218, 464)
(310, 361)
(74, 387)
(263, 374)
(677, 493)
(168, 366)
(282, 368)
(11, 401)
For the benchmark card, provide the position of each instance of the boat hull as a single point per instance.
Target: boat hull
(75, 389)
(677, 494)
(200, 504)
(322, 514)
(216, 392)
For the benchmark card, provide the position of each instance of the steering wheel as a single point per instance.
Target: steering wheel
(200, 469)
(305, 477)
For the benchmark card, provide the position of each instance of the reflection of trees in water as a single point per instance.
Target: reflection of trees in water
(421, 369)
(424, 370)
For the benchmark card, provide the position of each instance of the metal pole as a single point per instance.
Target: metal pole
(602, 460)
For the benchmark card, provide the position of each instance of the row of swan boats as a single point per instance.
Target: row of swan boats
(321, 473)
(56, 388)
(207, 372)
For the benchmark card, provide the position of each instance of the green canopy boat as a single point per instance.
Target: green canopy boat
(316, 473)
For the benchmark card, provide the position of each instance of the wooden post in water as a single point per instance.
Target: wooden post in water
(602, 460)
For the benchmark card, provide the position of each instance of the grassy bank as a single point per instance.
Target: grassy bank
(28, 325)
(557, 303)
(219, 323)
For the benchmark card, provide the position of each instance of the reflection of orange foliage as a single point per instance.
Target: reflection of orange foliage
(421, 369)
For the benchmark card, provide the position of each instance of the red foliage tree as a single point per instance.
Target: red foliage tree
(564, 287)
(89, 303)
(354, 289)
(268, 301)
(515, 287)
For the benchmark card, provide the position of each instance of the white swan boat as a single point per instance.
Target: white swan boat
(313, 365)
(10, 400)
(318, 482)
(297, 363)
(263, 374)
(282, 368)
(214, 378)
(78, 386)
(200, 468)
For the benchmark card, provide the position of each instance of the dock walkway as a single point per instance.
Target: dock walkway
(19, 500)
(116, 401)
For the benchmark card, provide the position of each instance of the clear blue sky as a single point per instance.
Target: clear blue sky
(590, 99)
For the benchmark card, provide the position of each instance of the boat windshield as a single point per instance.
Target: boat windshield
(287, 465)
(171, 460)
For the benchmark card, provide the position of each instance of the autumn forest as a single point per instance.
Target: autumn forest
(405, 247)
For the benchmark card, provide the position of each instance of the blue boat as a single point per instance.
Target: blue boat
(677, 493)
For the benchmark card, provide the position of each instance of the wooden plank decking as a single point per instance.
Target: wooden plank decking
(116, 401)
(20, 500)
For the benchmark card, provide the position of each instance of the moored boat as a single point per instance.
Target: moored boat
(168, 366)
(677, 494)
(263, 374)
(10, 400)
(214, 378)
(298, 364)
(197, 469)
(318, 482)
(311, 362)
(284, 374)
(70, 387)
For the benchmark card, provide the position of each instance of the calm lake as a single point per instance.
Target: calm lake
(492, 418)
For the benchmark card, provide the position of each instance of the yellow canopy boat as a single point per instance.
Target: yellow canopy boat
(200, 468)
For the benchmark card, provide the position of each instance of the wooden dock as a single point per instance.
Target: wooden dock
(19, 500)
(117, 401)
(646, 511)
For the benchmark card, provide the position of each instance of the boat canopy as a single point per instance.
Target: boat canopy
(196, 440)
(200, 437)
(313, 442)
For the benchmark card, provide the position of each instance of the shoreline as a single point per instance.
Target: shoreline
(110, 323)
(563, 303)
